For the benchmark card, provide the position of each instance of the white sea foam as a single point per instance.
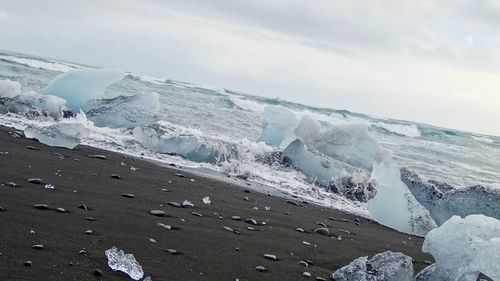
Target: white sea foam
(41, 64)
(399, 129)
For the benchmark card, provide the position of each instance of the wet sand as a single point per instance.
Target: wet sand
(205, 250)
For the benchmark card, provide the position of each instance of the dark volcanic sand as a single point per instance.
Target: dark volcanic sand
(208, 250)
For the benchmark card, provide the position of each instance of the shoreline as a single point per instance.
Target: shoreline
(205, 250)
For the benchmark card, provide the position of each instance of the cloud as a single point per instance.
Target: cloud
(405, 59)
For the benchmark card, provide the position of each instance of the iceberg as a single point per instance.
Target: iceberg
(278, 126)
(463, 248)
(81, 85)
(119, 261)
(66, 134)
(394, 205)
(174, 140)
(349, 143)
(386, 266)
(9, 89)
(337, 176)
(125, 111)
(443, 201)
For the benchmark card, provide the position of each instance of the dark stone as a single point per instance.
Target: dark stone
(2, 209)
(260, 268)
(35, 180)
(251, 221)
(174, 204)
(322, 231)
(196, 214)
(158, 213)
(61, 210)
(89, 232)
(31, 147)
(11, 184)
(271, 257)
(246, 191)
(179, 175)
(37, 247)
(294, 203)
(322, 224)
(82, 252)
(98, 156)
(128, 195)
(236, 218)
(98, 272)
(28, 263)
(116, 176)
(84, 207)
(41, 206)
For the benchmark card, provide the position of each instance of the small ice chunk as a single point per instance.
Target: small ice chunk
(9, 89)
(386, 266)
(206, 200)
(119, 261)
(463, 248)
(187, 203)
(48, 186)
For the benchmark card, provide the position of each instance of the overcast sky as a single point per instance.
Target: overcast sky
(435, 62)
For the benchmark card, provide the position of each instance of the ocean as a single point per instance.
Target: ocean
(247, 137)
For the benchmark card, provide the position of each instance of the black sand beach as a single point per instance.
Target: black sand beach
(205, 250)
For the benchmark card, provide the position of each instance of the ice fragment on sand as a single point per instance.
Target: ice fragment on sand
(206, 200)
(119, 261)
(386, 266)
(462, 248)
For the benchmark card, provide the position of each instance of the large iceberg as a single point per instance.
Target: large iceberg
(125, 111)
(443, 201)
(386, 266)
(463, 248)
(81, 85)
(119, 261)
(278, 126)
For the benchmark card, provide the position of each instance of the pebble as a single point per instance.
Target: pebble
(344, 220)
(98, 272)
(89, 232)
(152, 240)
(306, 274)
(174, 204)
(11, 184)
(179, 175)
(322, 231)
(356, 219)
(250, 228)
(305, 264)
(300, 229)
(82, 252)
(37, 246)
(98, 156)
(31, 147)
(41, 206)
(345, 231)
(157, 213)
(128, 195)
(2, 209)
(260, 268)
(166, 226)
(291, 202)
(228, 228)
(61, 210)
(251, 221)
(236, 218)
(322, 224)
(89, 218)
(246, 191)
(84, 207)
(172, 251)
(271, 257)
(28, 263)
(116, 176)
(35, 180)
(196, 214)
(320, 279)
